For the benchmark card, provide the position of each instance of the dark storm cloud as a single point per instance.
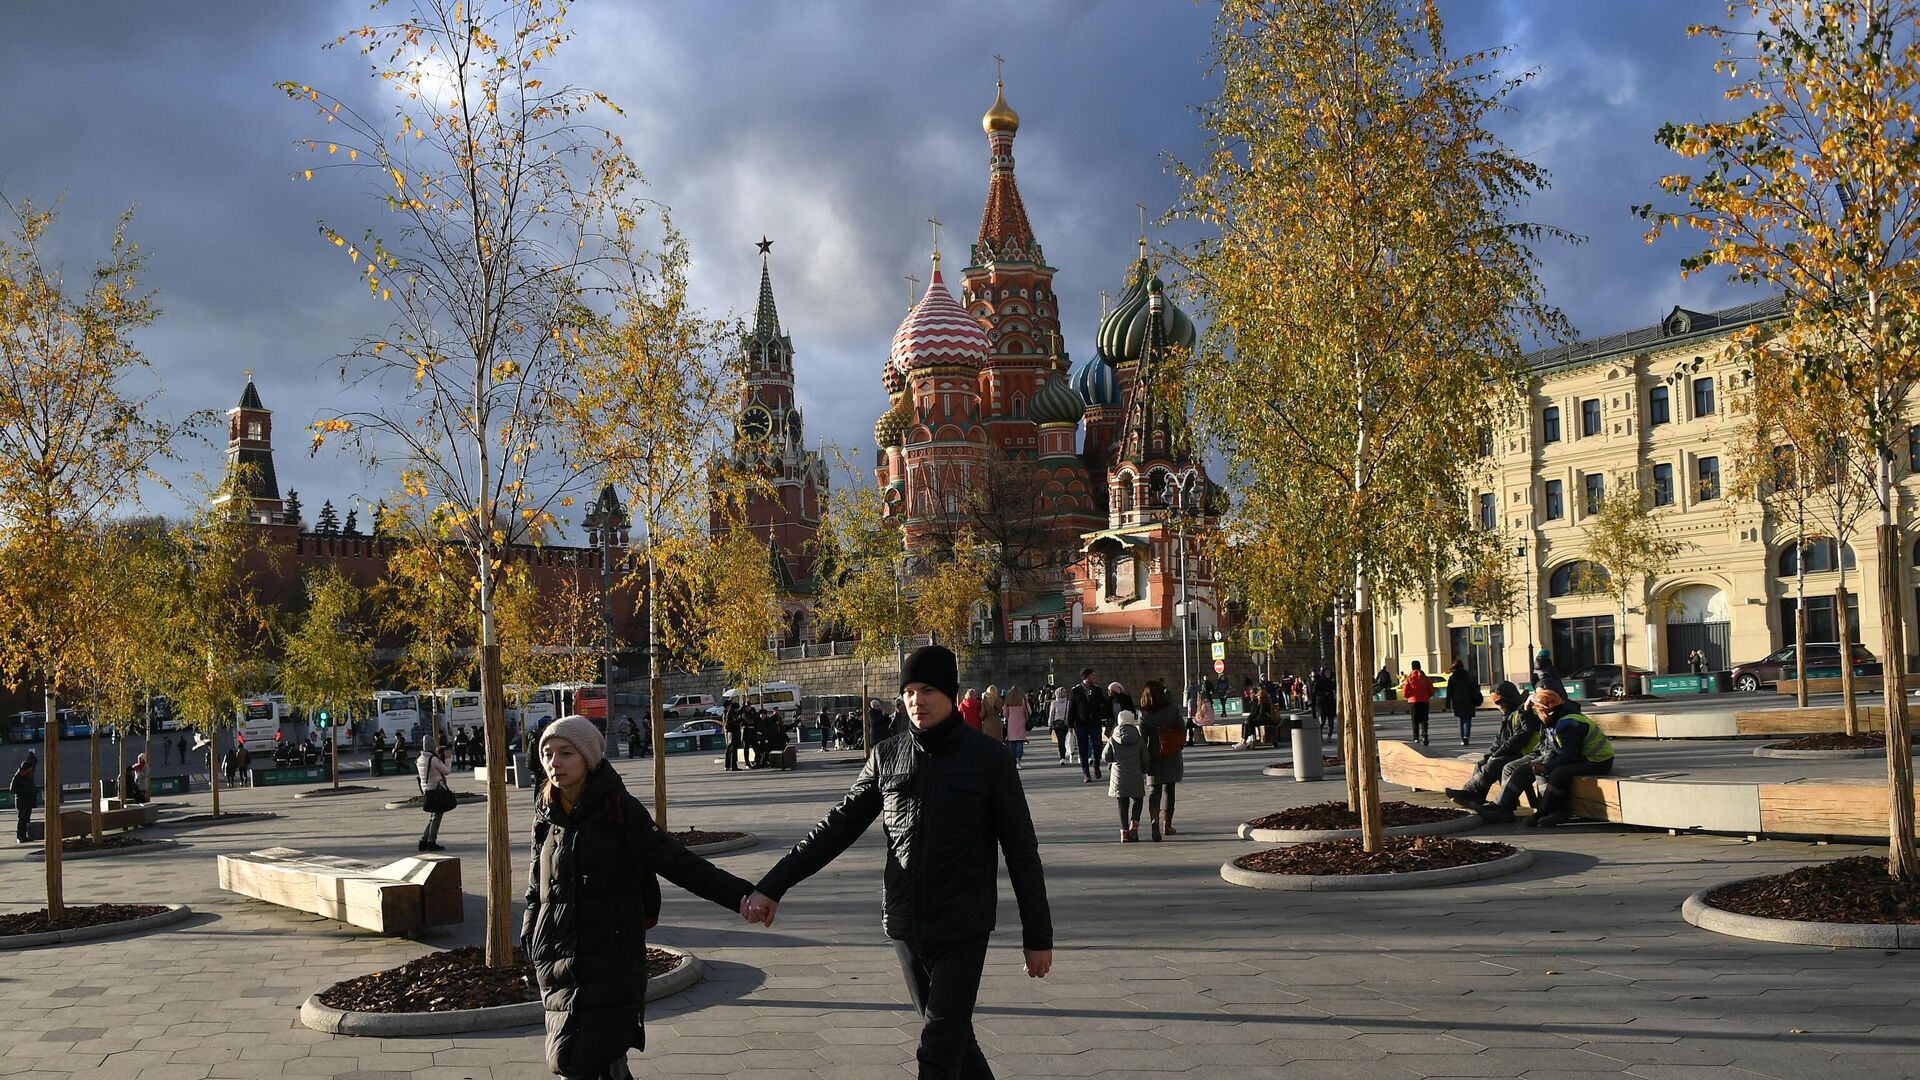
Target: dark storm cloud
(834, 128)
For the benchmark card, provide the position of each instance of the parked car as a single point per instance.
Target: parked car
(698, 727)
(1822, 657)
(1604, 679)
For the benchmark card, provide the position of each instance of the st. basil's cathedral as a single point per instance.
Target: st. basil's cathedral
(980, 383)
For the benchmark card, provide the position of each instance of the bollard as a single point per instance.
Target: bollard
(1306, 748)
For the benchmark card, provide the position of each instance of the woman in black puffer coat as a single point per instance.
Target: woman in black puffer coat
(591, 895)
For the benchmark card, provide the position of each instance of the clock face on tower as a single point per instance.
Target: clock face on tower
(756, 422)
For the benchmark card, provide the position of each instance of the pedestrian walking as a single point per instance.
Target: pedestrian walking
(826, 729)
(1384, 682)
(950, 802)
(1059, 719)
(1121, 700)
(26, 792)
(1126, 755)
(970, 709)
(1017, 714)
(436, 798)
(181, 746)
(1166, 739)
(1463, 698)
(1417, 689)
(1325, 697)
(596, 851)
(733, 725)
(993, 722)
(1090, 712)
(1546, 676)
(134, 783)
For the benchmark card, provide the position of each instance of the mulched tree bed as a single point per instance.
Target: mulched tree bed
(1855, 890)
(1326, 762)
(696, 837)
(1398, 855)
(1835, 741)
(105, 843)
(231, 815)
(343, 789)
(73, 917)
(1335, 815)
(459, 796)
(452, 980)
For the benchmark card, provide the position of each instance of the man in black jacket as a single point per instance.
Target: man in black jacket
(1089, 710)
(946, 795)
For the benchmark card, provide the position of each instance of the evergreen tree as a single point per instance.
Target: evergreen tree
(292, 512)
(329, 524)
(351, 530)
(381, 531)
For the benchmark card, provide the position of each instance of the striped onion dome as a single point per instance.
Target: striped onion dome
(1123, 333)
(1096, 382)
(887, 429)
(1056, 402)
(938, 331)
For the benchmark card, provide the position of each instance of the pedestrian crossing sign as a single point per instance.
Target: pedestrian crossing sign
(1478, 635)
(1259, 640)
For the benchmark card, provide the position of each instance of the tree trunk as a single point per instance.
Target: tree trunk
(1849, 699)
(1357, 692)
(1626, 683)
(1800, 637)
(333, 747)
(213, 766)
(655, 688)
(121, 744)
(866, 716)
(1903, 860)
(1342, 673)
(493, 707)
(50, 742)
(95, 789)
(1372, 831)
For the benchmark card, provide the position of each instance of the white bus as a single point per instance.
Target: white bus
(456, 709)
(779, 697)
(529, 708)
(259, 720)
(397, 712)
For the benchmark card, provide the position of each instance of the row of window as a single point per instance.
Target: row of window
(1594, 488)
(1822, 555)
(1659, 411)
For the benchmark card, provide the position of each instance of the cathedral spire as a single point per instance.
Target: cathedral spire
(766, 320)
(1005, 233)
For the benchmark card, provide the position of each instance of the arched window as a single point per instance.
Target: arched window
(1125, 493)
(1457, 592)
(1570, 578)
(1821, 554)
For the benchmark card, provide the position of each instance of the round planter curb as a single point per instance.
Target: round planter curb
(327, 792)
(245, 817)
(1818, 755)
(403, 804)
(736, 844)
(1418, 879)
(1697, 911)
(174, 913)
(1327, 772)
(500, 1017)
(1463, 823)
(147, 848)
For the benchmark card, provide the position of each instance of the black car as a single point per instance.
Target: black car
(1603, 680)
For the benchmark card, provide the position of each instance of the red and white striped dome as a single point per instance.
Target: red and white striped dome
(938, 331)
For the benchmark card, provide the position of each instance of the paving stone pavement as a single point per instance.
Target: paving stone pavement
(1578, 967)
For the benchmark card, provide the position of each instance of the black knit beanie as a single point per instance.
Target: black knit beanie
(935, 666)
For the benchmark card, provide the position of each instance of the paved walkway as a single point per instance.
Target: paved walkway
(1580, 967)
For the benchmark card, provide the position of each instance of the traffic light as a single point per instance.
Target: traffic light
(325, 718)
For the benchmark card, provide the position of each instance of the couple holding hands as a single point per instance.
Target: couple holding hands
(948, 798)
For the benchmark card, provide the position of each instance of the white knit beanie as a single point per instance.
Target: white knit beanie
(585, 738)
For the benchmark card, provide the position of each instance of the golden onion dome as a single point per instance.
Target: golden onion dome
(887, 429)
(1001, 117)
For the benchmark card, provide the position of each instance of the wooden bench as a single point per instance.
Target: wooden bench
(403, 896)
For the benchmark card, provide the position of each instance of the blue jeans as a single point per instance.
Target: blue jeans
(1018, 747)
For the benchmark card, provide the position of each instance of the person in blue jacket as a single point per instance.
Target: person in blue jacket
(1573, 745)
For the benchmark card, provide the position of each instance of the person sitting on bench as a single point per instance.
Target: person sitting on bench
(1517, 777)
(1519, 736)
(1577, 747)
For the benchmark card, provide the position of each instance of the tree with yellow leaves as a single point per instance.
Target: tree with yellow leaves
(859, 568)
(497, 188)
(76, 436)
(1626, 552)
(327, 660)
(1815, 191)
(1367, 292)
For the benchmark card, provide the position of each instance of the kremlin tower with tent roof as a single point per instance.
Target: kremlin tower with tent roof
(980, 384)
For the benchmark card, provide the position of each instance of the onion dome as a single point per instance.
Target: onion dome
(939, 332)
(891, 380)
(1123, 333)
(1097, 385)
(1056, 402)
(887, 429)
(1001, 116)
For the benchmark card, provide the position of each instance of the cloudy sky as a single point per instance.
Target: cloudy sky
(835, 128)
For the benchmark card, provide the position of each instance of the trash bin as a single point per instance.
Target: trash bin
(1645, 685)
(1717, 682)
(1306, 749)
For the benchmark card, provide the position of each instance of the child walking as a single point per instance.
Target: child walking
(1126, 755)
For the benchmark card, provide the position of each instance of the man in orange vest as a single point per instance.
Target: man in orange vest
(1417, 689)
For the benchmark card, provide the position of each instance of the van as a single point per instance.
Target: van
(687, 706)
(780, 697)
